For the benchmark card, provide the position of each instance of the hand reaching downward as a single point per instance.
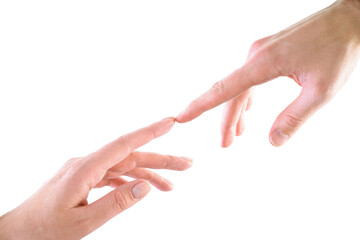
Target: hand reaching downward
(318, 53)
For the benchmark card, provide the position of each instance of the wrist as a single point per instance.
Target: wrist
(9, 229)
(352, 6)
(352, 3)
(350, 17)
(4, 229)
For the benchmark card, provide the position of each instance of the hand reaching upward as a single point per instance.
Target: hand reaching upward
(59, 210)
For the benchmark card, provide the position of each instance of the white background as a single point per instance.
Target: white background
(74, 75)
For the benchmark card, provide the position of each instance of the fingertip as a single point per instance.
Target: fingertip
(169, 120)
(240, 130)
(228, 134)
(278, 138)
(165, 126)
(186, 163)
(188, 114)
(179, 120)
(225, 145)
(227, 140)
(271, 141)
(168, 186)
(181, 117)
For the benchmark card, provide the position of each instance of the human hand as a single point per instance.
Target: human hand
(318, 53)
(59, 210)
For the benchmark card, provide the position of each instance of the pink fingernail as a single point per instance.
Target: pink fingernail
(140, 190)
(179, 116)
(189, 160)
(278, 138)
(228, 138)
(169, 118)
(187, 163)
(171, 185)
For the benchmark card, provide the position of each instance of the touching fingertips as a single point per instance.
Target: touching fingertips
(180, 117)
(140, 190)
(278, 138)
(168, 123)
(170, 120)
(184, 116)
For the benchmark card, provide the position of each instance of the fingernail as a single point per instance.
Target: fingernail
(140, 190)
(228, 138)
(165, 125)
(278, 138)
(187, 160)
(170, 184)
(240, 131)
(168, 118)
(179, 116)
(185, 163)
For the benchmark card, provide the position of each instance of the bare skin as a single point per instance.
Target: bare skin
(318, 53)
(59, 210)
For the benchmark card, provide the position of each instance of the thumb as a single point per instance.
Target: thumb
(115, 202)
(294, 116)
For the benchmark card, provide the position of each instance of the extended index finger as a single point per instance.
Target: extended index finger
(256, 71)
(114, 152)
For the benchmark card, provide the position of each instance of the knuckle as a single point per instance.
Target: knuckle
(132, 160)
(69, 164)
(259, 43)
(167, 160)
(275, 54)
(149, 176)
(68, 171)
(220, 89)
(267, 50)
(293, 120)
(121, 139)
(256, 45)
(121, 201)
(123, 143)
(154, 134)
